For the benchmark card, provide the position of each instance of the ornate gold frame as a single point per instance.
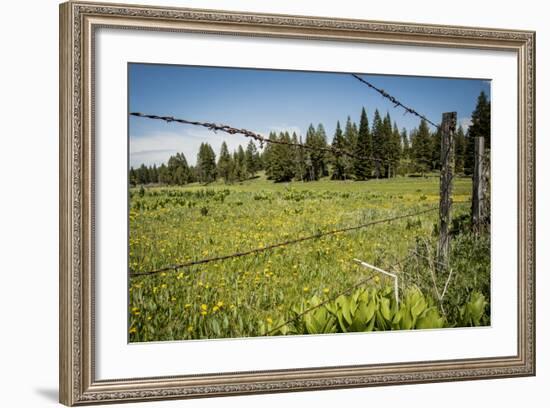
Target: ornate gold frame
(78, 22)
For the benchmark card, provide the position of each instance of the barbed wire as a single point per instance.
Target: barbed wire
(395, 101)
(256, 136)
(261, 139)
(175, 268)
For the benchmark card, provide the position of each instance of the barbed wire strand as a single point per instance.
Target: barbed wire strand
(256, 136)
(281, 244)
(395, 101)
(175, 268)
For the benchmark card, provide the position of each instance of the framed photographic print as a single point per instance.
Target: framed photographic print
(256, 203)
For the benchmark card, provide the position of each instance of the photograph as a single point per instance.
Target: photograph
(269, 201)
(282, 203)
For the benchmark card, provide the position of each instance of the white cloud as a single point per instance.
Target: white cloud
(156, 148)
(465, 123)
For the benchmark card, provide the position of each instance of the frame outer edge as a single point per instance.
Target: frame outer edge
(66, 361)
(534, 237)
(74, 385)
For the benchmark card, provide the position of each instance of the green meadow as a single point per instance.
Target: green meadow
(254, 294)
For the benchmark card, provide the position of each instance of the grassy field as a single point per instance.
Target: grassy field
(247, 296)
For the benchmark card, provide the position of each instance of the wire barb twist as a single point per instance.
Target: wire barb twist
(395, 101)
(256, 136)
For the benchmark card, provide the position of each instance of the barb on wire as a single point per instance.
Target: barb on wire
(174, 268)
(253, 135)
(395, 101)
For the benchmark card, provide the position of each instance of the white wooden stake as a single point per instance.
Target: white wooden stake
(392, 275)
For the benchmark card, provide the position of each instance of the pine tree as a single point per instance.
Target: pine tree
(311, 170)
(481, 120)
(387, 145)
(177, 171)
(142, 174)
(393, 150)
(267, 156)
(338, 160)
(154, 174)
(225, 164)
(193, 174)
(321, 138)
(132, 177)
(239, 164)
(378, 145)
(363, 164)
(164, 174)
(460, 149)
(422, 148)
(316, 166)
(252, 159)
(206, 164)
(300, 156)
(283, 160)
(480, 127)
(405, 144)
(350, 143)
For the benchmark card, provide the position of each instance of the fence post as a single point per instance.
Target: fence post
(448, 128)
(478, 185)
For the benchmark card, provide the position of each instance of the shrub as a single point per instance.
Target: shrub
(364, 310)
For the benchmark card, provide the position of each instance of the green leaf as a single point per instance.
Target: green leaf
(406, 320)
(370, 310)
(346, 311)
(430, 320)
(397, 317)
(385, 308)
(418, 307)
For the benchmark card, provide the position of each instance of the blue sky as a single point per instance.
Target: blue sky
(271, 100)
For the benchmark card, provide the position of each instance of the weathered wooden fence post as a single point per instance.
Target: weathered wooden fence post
(478, 187)
(448, 128)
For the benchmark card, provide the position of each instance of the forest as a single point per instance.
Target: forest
(379, 150)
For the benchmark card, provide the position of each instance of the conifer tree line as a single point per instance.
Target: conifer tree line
(381, 150)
